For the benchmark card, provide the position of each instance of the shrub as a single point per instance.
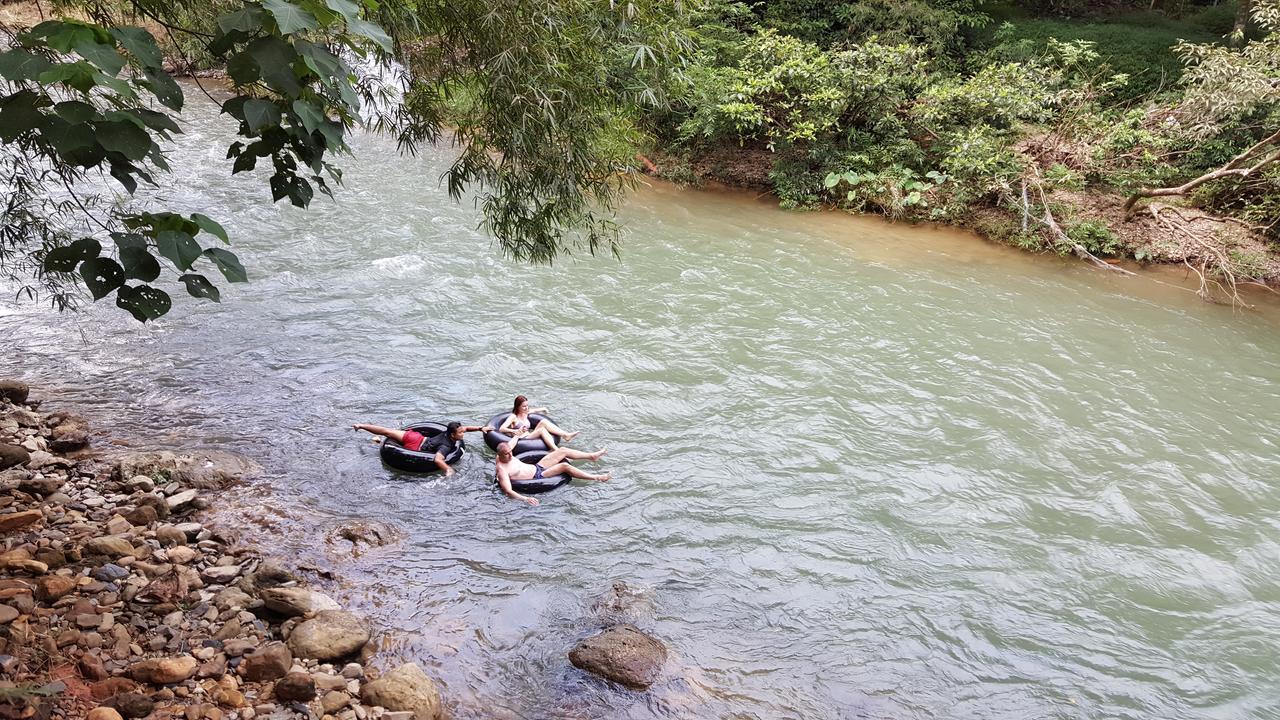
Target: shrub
(1094, 236)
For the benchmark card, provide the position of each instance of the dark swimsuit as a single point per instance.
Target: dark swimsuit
(537, 471)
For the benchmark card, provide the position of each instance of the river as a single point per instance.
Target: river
(861, 470)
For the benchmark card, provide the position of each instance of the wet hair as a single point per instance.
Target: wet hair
(515, 407)
(452, 427)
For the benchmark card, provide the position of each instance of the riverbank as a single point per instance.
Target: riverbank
(126, 598)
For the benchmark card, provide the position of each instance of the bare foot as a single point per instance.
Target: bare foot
(572, 435)
(598, 454)
(602, 478)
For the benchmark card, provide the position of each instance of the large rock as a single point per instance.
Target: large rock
(14, 391)
(622, 654)
(163, 671)
(329, 635)
(16, 521)
(405, 689)
(12, 455)
(296, 601)
(269, 662)
(370, 532)
(201, 469)
(295, 687)
(53, 587)
(109, 545)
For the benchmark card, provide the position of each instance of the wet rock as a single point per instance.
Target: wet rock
(132, 705)
(407, 688)
(269, 662)
(14, 391)
(622, 654)
(19, 520)
(368, 532)
(103, 713)
(295, 687)
(110, 545)
(203, 469)
(13, 455)
(163, 671)
(269, 574)
(296, 601)
(175, 502)
(53, 587)
(69, 438)
(329, 635)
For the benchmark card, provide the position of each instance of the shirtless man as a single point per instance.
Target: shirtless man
(512, 468)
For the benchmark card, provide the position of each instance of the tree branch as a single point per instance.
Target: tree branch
(1231, 169)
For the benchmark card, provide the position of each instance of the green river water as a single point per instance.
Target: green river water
(860, 470)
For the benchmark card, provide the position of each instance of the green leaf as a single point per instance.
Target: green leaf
(139, 43)
(66, 137)
(157, 121)
(831, 180)
(19, 113)
(311, 116)
(345, 8)
(259, 114)
(101, 275)
(200, 287)
(102, 55)
(139, 263)
(19, 65)
(371, 31)
(179, 247)
(322, 62)
(246, 19)
(65, 259)
(79, 75)
(289, 17)
(144, 302)
(64, 35)
(243, 69)
(125, 138)
(210, 226)
(228, 263)
(164, 88)
(74, 111)
(275, 59)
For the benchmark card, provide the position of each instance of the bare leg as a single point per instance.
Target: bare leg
(567, 469)
(571, 454)
(545, 434)
(557, 430)
(397, 435)
(444, 466)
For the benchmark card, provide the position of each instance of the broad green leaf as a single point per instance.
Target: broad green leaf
(125, 138)
(101, 275)
(104, 56)
(322, 62)
(79, 75)
(275, 59)
(157, 121)
(64, 35)
(67, 137)
(18, 65)
(243, 69)
(246, 19)
(311, 116)
(289, 17)
(144, 302)
(65, 259)
(19, 113)
(259, 114)
(371, 31)
(228, 263)
(345, 8)
(139, 263)
(164, 88)
(179, 247)
(831, 180)
(200, 287)
(140, 44)
(210, 226)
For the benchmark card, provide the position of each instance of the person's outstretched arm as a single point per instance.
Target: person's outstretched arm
(476, 428)
(504, 482)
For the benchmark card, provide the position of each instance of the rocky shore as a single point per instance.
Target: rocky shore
(117, 601)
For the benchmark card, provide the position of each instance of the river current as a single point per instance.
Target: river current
(861, 470)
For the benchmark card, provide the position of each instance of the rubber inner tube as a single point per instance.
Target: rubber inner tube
(493, 438)
(402, 458)
(545, 484)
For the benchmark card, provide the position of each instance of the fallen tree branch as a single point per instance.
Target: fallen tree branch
(1236, 168)
(1081, 252)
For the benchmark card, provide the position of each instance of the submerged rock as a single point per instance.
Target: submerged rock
(408, 689)
(622, 654)
(373, 533)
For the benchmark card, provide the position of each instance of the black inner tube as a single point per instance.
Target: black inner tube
(414, 461)
(493, 438)
(544, 484)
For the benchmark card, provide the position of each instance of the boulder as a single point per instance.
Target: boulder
(109, 545)
(269, 662)
(43, 487)
(170, 535)
(407, 688)
(69, 438)
(369, 532)
(13, 455)
(14, 391)
(163, 671)
(296, 601)
(142, 516)
(19, 520)
(329, 635)
(295, 687)
(622, 654)
(53, 587)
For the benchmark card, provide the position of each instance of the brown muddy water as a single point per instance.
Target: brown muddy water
(860, 469)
